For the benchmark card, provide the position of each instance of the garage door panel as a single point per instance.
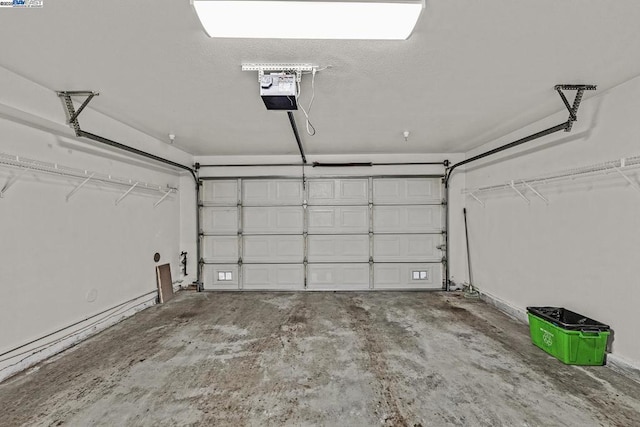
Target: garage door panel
(407, 276)
(407, 191)
(220, 248)
(406, 247)
(338, 219)
(220, 220)
(407, 219)
(272, 192)
(273, 249)
(220, 277)
(335, 248)
(338, 276)
(273, 276)
(338, 192)
(272, 220)
(220, 192)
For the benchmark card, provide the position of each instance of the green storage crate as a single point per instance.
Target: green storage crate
(570, 337)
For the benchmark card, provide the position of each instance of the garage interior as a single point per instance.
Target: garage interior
(354, 227)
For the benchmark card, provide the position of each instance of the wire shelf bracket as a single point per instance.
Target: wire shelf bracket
(534, 191)
(166, 194)
(477, 199)
(79, 186)
(626, 178)
(12, 181)
(513, 187)
(126, 193)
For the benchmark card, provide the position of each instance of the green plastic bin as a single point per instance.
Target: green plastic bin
(568, 336)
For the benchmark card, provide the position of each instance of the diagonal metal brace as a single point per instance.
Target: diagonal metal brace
(72, 113)
(513, 186)
(572, 108)
(477, 199)
(536, 192)
(163, 197)
(79, 186)
(626, 178)
(12, 181)
(126, 193)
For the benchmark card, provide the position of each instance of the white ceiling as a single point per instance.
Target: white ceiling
(472, 71)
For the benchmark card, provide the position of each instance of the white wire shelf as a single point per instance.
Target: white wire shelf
(26, 164)
(524, 185)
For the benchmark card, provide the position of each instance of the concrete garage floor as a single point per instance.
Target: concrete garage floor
(343, 359)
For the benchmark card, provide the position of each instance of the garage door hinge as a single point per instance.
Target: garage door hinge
(444, 202)
(444, 260)
(240, 261)
(441, 247)
(370, 260)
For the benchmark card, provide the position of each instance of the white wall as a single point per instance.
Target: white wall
(64, 261)
(457, 261)
(582, 250)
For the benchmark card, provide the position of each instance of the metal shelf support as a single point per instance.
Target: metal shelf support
(476, 199)
(513, 186)
(79, 186)
(526, 184)
(622, 174)
(12, 181)
(126, 193)
(163, 197)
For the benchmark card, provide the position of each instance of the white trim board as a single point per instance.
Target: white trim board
(613, 361)
(14, 367)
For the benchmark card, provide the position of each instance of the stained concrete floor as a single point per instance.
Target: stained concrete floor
(335, 359)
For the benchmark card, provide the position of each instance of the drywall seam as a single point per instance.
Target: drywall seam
(141, 303)
(622, 366)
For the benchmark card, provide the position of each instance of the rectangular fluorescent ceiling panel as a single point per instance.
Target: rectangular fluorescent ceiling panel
(309, 19)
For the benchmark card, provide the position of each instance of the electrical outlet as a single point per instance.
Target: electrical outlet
(225, 276)
(420, 275)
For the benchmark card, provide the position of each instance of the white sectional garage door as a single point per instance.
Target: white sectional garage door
(361, 233)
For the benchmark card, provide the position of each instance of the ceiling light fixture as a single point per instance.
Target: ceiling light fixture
(309, 19)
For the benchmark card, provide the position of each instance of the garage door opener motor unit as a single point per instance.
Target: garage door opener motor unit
(279, 91)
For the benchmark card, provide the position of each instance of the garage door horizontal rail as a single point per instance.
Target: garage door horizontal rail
(417, 261)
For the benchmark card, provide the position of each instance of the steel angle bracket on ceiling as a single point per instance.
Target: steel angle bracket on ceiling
(72, 113)
(283, 67)
(572, 108)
